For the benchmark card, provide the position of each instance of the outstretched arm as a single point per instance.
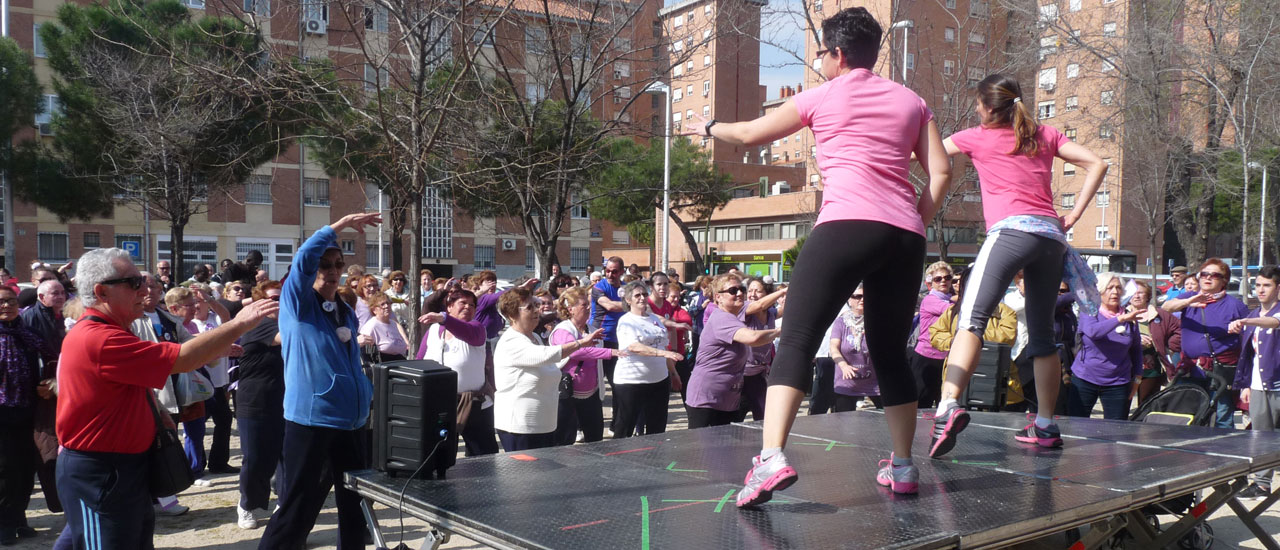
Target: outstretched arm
(777, 124)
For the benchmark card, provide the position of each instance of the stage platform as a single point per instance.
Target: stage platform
(676, 490)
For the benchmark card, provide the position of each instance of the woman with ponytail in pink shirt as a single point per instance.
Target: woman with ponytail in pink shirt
(1013, 155)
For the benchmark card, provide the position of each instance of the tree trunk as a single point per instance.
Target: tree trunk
(415, 266)
(689, 240)
(176, 266)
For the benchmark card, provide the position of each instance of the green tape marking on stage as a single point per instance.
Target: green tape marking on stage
(724, 500)
(672, 468)
(828, 446)
(963, 463)
(644, 523)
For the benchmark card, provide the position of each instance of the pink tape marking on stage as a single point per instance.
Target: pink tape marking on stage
(629, 451)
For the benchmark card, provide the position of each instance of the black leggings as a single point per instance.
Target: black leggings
(889, 262)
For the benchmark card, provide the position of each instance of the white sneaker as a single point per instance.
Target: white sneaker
(580, 438)
(245, 519)
(174, 509)
(203, 482)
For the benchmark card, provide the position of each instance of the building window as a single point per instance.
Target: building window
(761, 232)
(1102, 199)
(1072, 103)
(975, 76)
(1073, 70)
(375, 78)
(706, 88)
(483, 257)
(1109, 64)
(1049, 79)
(949, 34)
(376, 18)
(371, 253)
(977, 38)
(728, 233)
(1105, 131)
(677, 94)
(1068, 200)
(948, 67)
(197, 4)
(260, 7)
(1068, 169)
(49, 108)
(621, 237)
(437, 225)
(483, 34)
(530, 257)
(1070, 133)
(348, 247)
(1048, 14)
(202, 250)
(793, 230)
(315, 192)
(1071, 234)
(1045, 109)
(678, 21)
(535, 39)
(258, 190)
(978, 9)
(37, 43)
(312, 10)
(371, 195)
(1108, 97)
(1102, 233)
(706, 35)
(578, 211)
(92, 239)
(706, 10)
(951, 4)
(1048, 46)
(1108, 29)
(1074, 5)
(621, 70)
(911, 61)
(706, 60)
(578, 258)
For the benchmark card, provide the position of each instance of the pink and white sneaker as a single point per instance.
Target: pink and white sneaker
(903, 480)
(765, 477)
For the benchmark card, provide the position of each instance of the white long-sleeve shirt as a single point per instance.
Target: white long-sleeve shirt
(528, 382)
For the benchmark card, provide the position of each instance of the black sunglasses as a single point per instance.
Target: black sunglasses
(134, 282)
(734, 290)
(822, 52)
(335, 265)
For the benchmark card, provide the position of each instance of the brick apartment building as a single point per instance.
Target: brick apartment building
(291, 196)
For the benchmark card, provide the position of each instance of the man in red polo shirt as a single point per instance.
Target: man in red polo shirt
(105, 420)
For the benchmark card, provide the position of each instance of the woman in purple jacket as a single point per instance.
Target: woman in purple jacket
(1206, 317)
(457, 341)
(1109, 362)
(855, 379)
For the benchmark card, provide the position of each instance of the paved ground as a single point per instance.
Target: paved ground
(211, 522)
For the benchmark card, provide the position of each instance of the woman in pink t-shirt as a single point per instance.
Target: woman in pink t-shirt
(1014, 159)
(870, 230)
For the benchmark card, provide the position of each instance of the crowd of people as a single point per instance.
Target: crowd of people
(94, 365)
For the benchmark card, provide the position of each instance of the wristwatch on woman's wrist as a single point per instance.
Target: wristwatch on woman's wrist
(706, 131)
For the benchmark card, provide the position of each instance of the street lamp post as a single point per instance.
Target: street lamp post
(660, 87)
(6, 187)
(904, 25)
(1262, 221)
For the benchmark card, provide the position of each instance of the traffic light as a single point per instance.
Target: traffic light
(711, 259)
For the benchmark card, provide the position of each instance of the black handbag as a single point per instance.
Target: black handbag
(169, 472)
(566, 383)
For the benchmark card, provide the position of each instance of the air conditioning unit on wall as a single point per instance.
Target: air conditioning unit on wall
(508, 244)
(317, 26)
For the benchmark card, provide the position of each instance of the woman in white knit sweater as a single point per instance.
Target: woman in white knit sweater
(526, 375)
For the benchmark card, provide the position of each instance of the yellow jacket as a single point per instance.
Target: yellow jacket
(1002, 328)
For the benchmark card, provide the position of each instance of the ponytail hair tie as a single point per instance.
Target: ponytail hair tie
(1017, 100)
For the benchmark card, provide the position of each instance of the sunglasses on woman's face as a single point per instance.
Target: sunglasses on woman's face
(939, 279)
(1211, 275)
(734, 290)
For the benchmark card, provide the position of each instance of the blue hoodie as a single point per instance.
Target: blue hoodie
(324, 385)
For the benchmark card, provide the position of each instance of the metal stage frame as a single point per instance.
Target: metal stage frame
(676, 490)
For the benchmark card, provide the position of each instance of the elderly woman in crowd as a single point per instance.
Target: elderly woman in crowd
(1109, 363)
(181, 302)
(764, 313)
(1206, 316)
(526, 402)
(381, 332)
(644, 377)
(20, 353)
(583, 410)
(260, 409)
(453, 338)
(1161, 340)
(855, 378)
(715, 387)
(396, 287)
(368, 287)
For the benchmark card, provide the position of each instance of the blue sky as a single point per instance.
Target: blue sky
(781, 33)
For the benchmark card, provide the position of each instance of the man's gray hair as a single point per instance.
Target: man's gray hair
(96, 266)
(47, 286)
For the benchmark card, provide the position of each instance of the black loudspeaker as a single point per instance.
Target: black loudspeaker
(988, 389)
(414, 412)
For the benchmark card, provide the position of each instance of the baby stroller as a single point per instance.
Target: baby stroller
(1185, 402)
